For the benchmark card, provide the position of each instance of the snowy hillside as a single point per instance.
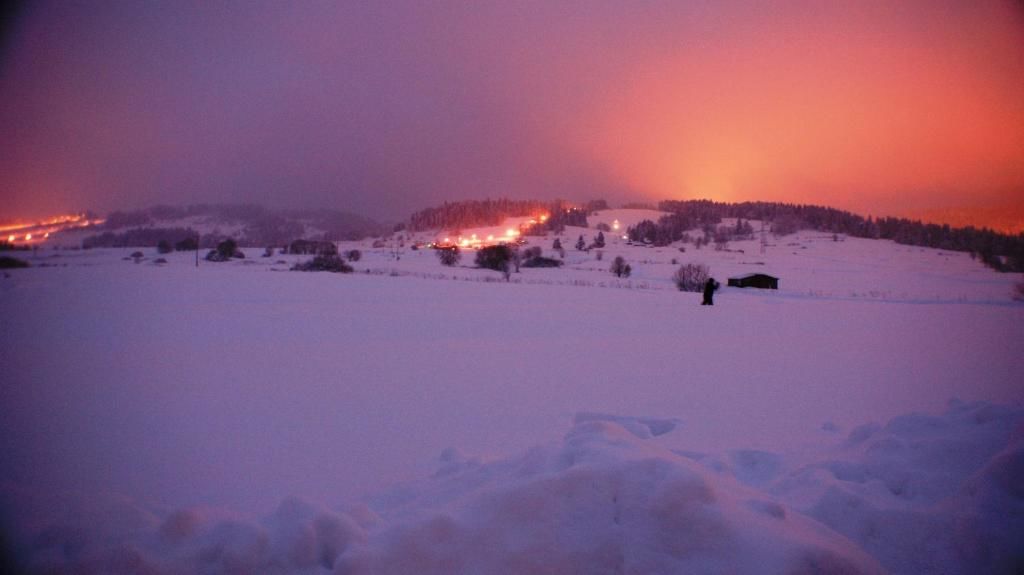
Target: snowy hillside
(866, 417)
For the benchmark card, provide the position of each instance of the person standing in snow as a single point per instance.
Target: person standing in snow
(709, 292)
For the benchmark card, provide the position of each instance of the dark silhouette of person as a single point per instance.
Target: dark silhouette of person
(709, 292)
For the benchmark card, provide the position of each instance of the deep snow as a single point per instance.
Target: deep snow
(410, 417)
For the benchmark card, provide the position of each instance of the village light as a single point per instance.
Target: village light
(490, 238)
(615, 225)
(510, 232)
(543, 218)
(11, 238)
(28, 237)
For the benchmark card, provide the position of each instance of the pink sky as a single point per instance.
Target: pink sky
(905, 108)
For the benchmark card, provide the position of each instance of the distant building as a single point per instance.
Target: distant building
(762, 281)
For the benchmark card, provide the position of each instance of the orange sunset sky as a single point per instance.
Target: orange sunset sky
(912, 108)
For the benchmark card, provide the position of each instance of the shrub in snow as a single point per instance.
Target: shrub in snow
(449, 256)
(164, 247)
(691, 277)
(541, 262)
(354, 255)
(268, 252)
(324, 263)
(497, 258)
(581, 244)
(226, 250)
(620, 268)
(7, 262)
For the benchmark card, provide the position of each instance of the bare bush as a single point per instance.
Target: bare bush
(324, 263)
(449, 256)
(691, 277)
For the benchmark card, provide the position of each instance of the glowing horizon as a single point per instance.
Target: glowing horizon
(913, 109)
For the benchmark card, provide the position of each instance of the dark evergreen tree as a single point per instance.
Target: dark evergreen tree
(581, 244)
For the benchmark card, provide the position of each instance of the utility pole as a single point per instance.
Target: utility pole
(764, 239)
(197, 249)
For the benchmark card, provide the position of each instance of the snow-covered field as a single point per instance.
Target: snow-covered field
(411, 418)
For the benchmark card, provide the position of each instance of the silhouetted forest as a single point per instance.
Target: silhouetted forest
(1002, 252)
(480, 213)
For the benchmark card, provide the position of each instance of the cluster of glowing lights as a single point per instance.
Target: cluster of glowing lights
(36, 232)
(475, 241)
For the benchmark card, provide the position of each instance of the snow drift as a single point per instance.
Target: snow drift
(924, 493)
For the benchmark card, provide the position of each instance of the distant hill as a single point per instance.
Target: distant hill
(249, 224)
(1001, 251)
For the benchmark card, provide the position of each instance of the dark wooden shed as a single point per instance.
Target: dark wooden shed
(762, 281)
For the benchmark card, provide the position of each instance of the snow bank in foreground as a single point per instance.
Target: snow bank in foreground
(921, 494)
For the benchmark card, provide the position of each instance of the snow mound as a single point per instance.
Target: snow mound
(922, 493)
(603, 501)
(925, 493)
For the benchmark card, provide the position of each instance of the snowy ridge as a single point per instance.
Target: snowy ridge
(923, 494)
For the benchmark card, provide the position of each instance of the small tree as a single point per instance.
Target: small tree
(556, 245)
(1018, 292)
(354, 255)
(164, 247)
(449, 256)
(227, 248)
(691, 277)
(581, 244)
(599, 240)
(620, 268)
(497, 258)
